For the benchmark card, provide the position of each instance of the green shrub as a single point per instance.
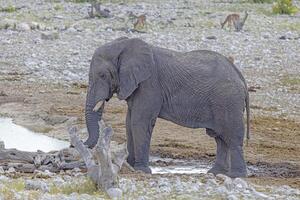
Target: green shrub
(284, 7)
(8, 9)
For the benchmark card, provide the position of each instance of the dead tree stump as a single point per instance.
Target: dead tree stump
(103, 171)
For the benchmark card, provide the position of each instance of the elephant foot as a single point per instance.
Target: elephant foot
(236, 174)
(143, 169)
(90, 143)
(130, 161)
(218, 170)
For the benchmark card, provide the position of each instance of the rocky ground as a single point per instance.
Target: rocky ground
(46, 47)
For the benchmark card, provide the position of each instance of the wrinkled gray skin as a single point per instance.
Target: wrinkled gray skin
(197, 89)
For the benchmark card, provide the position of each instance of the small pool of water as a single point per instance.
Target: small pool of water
(18, 137)
(179, 170)
(176, 166)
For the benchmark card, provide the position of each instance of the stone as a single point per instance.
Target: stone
(34, 25)
(221, 177)
(228, 184)
(211, 37)
(51, 35)
(1, 170)
(282, 37)
(232, 197)
(211, 182)
(209, 176)
(36, 185)
(23, 27)
(240, 183)
(114, 193)
(11, 170)
(222, 190)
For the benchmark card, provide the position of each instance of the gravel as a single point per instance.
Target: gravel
(56, 45)
(53, 41)
(154, 187)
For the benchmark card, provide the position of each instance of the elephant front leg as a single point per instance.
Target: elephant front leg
(130, 143)
(142, 131)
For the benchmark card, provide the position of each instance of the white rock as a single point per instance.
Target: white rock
(222, 190)
(50, 35)
(114, 193)
(232, 197)
(240, 183)
(23, 27)
(228, 184)
(221, 177)
(72, 30)
(36, 185)
(259, 195)
(3, 178)
(1, 170)
(211, 182)
(34, 25)
(11, 170)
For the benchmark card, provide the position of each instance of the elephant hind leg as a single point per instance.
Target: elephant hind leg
(235, 143)
(230, 128)
(238, 166)
(221, 165)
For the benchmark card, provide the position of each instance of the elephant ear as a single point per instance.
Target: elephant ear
(136, 61)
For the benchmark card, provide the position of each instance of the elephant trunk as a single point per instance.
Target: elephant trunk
(93, 114)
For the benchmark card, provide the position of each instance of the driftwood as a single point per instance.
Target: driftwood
(28, 162)
(104, 174)
(66, 159)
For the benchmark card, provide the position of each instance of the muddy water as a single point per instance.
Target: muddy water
(15, 136)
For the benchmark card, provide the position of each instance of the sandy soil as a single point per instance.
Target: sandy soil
(273, 146)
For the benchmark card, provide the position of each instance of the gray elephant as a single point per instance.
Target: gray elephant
(197, 89)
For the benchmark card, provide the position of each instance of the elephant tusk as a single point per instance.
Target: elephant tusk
(98, 106)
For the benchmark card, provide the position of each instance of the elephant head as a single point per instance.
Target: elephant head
(117, 67)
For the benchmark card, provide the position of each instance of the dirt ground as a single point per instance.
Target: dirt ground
(274, 143)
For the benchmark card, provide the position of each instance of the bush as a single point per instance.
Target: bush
(8, 9)
(284, 7)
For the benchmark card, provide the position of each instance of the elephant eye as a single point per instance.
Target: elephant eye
(102, 75)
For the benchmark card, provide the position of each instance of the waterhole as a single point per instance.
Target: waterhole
(18, 137)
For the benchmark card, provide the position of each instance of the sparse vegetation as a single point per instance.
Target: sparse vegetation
(79, 1)
(286, 25)
(291, 82)
(8, 9)
(58, 7)
(261, 1)
(9, 188)
(85, 186)
(284, 7)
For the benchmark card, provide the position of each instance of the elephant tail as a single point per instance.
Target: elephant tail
(248, 116)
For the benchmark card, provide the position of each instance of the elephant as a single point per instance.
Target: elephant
(196, 89)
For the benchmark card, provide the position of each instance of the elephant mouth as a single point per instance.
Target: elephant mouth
(98, 106)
